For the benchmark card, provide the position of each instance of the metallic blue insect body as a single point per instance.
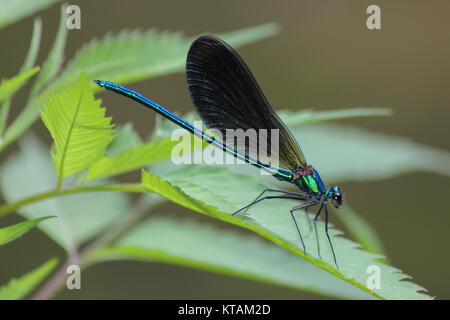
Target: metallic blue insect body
(226, 96)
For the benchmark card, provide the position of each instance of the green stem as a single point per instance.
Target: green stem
(4, 112)
(11, 207)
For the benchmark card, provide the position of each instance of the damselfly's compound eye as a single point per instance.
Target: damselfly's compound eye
(337, 198)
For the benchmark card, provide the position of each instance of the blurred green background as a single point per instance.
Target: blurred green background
(324, 58)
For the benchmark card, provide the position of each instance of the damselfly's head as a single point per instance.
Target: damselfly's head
(337, 197)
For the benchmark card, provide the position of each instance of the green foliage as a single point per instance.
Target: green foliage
(134, 158)
(35, 42)
(368, 155)
(127, 57)
(14, 10)
(196, 188)
(55, 58)
(27, 65)
(19, 288)
(51, 67)
(360, 230)
(80, 217)
(10, 86)
(126, 138)
(78, 127)
(85, 149)
(157, 185)
(134, 55)
(188, 243)
(308, 116)
(13, 232)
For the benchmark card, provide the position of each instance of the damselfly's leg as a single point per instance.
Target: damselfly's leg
(307, 219)
(326, 231)
(268, 197)
(315, 228)
(303, 206)
(302, 194)
(295, 196)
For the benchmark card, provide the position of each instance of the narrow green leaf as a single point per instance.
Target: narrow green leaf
(4, 113)
(137, 157)
(346, 153)
(10, 86)
(79, 128)
(14, 10)
(7, 89)
(308, 116)
(21, 287)
(202, 246)
(56, 56)
(51, 67)
(360, 230)
(213, 191)
(27, 65)
(251, 34)
(81, 216)
(35, 43)
(21, 123)
(10, 233)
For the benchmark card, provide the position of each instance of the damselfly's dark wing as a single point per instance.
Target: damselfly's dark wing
(227, 96)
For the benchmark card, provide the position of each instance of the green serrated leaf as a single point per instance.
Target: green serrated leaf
(10, 233)
(137, 157)
(163, 188)
(79, 128)
(189, 243)
(10, 86)
(215, 192)
(19, 288)
(133, 55)
(14, 10)
(81, 217)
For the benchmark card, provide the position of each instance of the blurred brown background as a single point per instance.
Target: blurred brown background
(324, 58)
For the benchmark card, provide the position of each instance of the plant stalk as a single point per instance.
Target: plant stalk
(55, 283)
(11, 207)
